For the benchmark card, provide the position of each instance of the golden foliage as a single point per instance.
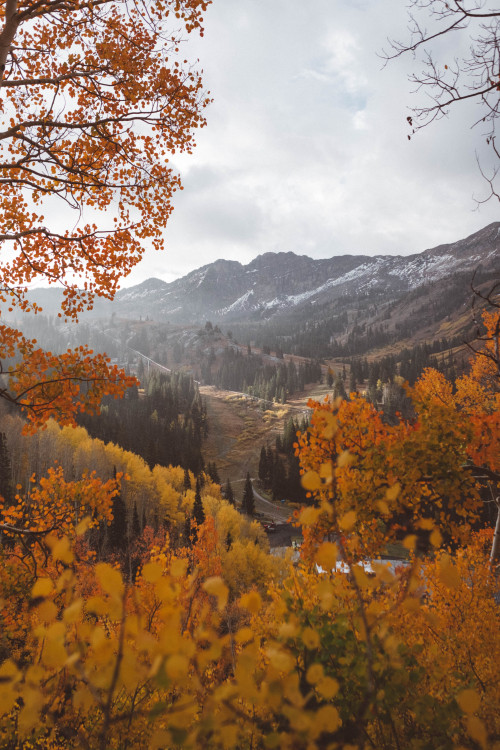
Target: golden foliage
(216, 645)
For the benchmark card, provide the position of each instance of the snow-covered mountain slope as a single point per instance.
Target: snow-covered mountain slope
(285, 285)
(278, 283)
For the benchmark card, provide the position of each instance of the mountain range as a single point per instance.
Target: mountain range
(274, 283)
(416, 289)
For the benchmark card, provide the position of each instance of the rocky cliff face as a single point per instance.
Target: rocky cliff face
(275, 284)
(278, 286)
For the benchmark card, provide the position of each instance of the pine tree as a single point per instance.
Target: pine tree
(213, 473)
(339, 389)
(289, 435)
(295, 491)
(228, 492)
(117, 530)
(187, 480)
(248, 502)
(198, 512)
(270, 457)
(270, 467)
(279, 480)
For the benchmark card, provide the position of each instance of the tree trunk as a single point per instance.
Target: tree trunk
(495, 546)
(8, 34)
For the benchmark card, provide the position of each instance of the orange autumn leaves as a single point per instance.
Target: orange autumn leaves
(303, 659)
(213, 645)
(59, 386)
(97, 97)
(370, 472)
(129, 664)
(364, 471)
(55, 506)
(92, 125)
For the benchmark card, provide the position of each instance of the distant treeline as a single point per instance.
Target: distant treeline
(56, 335)
(297, 334)
(409, 363)
(165, 424)
(250, 373)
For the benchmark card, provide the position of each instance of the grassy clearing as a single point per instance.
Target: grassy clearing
(237, 434)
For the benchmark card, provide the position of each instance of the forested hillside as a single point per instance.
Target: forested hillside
(174, 634)
(165, 422)
(258, 376)
(141, 606)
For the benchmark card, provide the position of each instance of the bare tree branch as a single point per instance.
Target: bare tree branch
(474, 76)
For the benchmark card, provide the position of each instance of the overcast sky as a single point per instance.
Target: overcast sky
(306, 146)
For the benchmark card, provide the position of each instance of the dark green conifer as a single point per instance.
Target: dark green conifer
(248, 503)
(279, 484)
(213, 473)
(117, 530)
(228, 492)
(270, 466)
(198, 512)
(339, 389)
(295, 491)
(289, 436)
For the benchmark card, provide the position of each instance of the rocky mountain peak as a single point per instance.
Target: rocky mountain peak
(280, 284)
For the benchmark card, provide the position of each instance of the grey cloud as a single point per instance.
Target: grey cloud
(306, 147)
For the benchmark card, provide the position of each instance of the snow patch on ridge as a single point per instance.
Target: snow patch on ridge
(423, 269)
(296, 299)
(202, 279)
(238, 304)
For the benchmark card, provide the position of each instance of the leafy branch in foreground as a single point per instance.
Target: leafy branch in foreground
(96, 96)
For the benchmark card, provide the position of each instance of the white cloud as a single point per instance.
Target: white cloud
(306, 147)
(343, 60)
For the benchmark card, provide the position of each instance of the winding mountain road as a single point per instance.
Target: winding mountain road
(275, 512)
